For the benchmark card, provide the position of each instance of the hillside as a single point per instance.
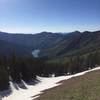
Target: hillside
(86, 87)
(75, 43)
(7, 49)
(33, 41)
(31, 92)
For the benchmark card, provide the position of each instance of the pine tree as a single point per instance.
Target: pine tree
(4, 78)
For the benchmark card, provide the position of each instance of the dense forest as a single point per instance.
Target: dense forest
(17, 68)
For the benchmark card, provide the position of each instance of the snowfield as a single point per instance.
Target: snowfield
(34, 91)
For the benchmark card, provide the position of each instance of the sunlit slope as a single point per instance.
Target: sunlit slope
(75, 43)
(86, 87)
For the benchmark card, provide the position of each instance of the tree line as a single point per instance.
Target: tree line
(27, 68)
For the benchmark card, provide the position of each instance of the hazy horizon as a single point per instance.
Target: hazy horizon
(35, 16)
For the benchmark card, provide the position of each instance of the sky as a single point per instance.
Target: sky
(31, 16)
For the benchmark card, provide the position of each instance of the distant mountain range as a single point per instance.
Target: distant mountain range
(24, 44)
(75, 43)
(50, 44)
(33, 41)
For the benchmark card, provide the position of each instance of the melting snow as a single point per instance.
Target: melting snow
(33, 91)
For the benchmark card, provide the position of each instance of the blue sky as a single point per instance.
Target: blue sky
(26, 16)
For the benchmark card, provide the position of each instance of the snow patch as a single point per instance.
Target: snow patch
(35, 53)
(34, 91)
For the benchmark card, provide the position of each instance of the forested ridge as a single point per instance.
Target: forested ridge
(16, 69)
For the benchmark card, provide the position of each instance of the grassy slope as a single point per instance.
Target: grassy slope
(86, 87)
